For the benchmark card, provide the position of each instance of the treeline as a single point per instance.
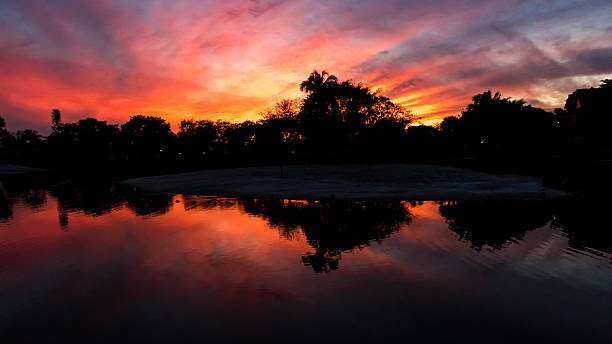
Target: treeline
(337, 121)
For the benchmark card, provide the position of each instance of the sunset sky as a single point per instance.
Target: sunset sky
(231, 60)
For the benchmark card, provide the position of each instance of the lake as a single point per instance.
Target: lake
(102, 262)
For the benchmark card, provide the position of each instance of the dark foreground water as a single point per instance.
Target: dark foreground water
(104, 264)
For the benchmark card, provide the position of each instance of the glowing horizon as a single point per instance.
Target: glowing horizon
(232, 61)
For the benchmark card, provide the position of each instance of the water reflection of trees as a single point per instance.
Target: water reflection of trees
(102, 197)
(330, 227)
(153, 204)
(6, 209)
(14, 191)
(35, 198)
(586, 226)
(494, 224)
(92, 199)
(85, 197)
(499, 224)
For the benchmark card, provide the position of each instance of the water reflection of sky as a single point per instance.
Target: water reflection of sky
(77, 261)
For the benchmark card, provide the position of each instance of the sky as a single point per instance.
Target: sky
(233, 59)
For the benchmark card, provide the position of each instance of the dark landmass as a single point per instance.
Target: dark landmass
(341, 122)
(352, 182)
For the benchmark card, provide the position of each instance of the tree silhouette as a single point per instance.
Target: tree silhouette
(147, 138)
(340, 119)
(56, 119)
(318, 82)
(240, 137)
(29, 137)
(336, 121)
(496, 126)
(278, 134)
(586, 120)
(5, 136)
(88, 141)
(200, 139)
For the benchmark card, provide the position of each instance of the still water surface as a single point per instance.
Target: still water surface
(103, 263)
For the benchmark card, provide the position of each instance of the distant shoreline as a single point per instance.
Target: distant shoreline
(12, 170)
(409, 182)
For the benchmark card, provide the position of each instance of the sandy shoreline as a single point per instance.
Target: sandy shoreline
(352, 182)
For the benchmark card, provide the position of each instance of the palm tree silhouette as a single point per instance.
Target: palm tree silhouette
(317, 82)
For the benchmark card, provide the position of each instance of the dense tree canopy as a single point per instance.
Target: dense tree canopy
(492, 124)
(336, 121)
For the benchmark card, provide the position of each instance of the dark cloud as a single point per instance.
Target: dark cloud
(402, 87)
(596, 61)
(592, 61)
